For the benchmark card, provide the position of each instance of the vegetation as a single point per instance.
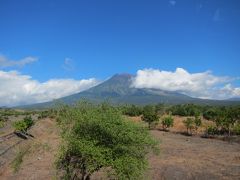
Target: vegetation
(211, 130)
(150, 116)
(167, 122)
(132, 110)
(6, 112)
(189, 123)
(185, 110)
(24, 124)
(16, 163)
(1, 124)
(97, 137)
(197, 122)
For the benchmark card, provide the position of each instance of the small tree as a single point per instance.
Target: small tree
(150, 116)
(167, 122)
(98, 136)
(29, 121)
(20, 126)
(24, 124)
(197, 122)
(189, 123)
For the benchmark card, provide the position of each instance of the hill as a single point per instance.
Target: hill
(118, 90)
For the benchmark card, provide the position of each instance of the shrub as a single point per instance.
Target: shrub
(28, 120)
(236, 129)
(210, 114)
(1, 124)
(189, 123)
(150, 116)
(20, 126)
(211, 130)
(197, 122)
(98, 136)
(167, 122)
(24, 124)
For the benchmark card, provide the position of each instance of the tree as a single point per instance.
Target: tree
(20, 126)
(98, 136)
(150, 115)
(197, 121)
(24, 124)
(189, 123)
(167, 122)
(132, 110)
(29, 121)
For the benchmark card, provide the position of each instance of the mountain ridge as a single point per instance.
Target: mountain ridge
(119, 90)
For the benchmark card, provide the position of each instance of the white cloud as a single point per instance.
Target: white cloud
(16, 89)
(230, 90)
(172, 2)
(5, 62)
(202, 85)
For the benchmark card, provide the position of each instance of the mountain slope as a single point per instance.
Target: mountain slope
(118, 90)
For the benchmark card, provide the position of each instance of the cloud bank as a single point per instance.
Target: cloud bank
(5, 62)
(201, 85)
(18, 89)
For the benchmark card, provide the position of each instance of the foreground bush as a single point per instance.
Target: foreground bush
(96, 137)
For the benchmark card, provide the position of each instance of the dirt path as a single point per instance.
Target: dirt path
(184, 157)
(38, 163)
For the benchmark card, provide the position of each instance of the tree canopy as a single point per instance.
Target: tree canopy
(98, 136)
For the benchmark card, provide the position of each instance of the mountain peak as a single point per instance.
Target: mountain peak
(122, 75)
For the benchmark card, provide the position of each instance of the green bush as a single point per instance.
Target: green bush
(132, 110)
(167, 122)
(24, 124)
(28, 120)
(150, 116)
(211, 130)
(98, 136)
(236, 129)
(197, 122)
(1, 124)
(189, 123)
(20, 126)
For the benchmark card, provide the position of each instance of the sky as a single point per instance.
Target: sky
(53, 48)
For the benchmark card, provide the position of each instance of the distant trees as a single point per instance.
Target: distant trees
(226, 119)
(150, 116)
(132, 110)
(96, 137)
(185, 110)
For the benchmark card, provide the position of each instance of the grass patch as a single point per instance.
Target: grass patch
(16, 164)
(1, 124)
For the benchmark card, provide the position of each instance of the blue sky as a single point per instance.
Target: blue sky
(84, 39)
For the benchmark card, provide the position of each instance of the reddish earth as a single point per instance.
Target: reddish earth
(181, 157)
(38, 163)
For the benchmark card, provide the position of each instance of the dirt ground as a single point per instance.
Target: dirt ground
(184, 157)
(181, 157)
(38, 163)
